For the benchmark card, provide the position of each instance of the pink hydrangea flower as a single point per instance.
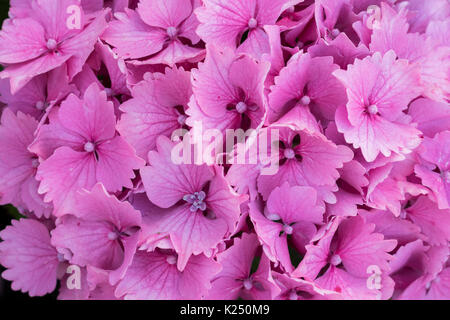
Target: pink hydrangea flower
(235, 23)
(236, 280)
(418, 271)
(201, 208)
(435, 170)
(80, 147)
(226, 149)
(42, 42)
(430, 55)
(99, 231)
(228, 91)
(18, 166)
(348, 248)
(375, 107)
(31, 261)
(308, 84)
(157, 108)
(290, 212)
(39, 95)
(433, 222)
(165, 27)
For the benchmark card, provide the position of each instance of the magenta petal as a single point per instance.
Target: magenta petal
(151, 112)
(165, 182)
(30, 260)
(129, 32)
(117, 156)
(151, 276)
(61, 175)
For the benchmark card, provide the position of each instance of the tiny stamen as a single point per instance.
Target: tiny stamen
(289, 153)
(172, 32)
(287, 229)
(252, 23)
(248, 285)
(51, 44)
(305, 100)
(113, 236)
(335, 260)
(40, 105)
(89, 146)
(241, 107)
(196, 200)
(372, 109)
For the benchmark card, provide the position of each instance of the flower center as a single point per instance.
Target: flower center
(287, 229)
(60, 257)
(35, 163)
(252, 23)
(248, 284)
(51, 44)
(113, 236)
(172, 32)
(305, 100)
(181, 119)
(196, 200)
(289, 153)
(372, 109)
(335, 32)
(241, 107)
(40, 105)
(335, 260)
(171, 260)
(89, 146)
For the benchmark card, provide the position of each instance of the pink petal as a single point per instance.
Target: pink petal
(30, 260)
(117, 156)
(165, 182)
(164, 13)
(151, 277)
(22, 40)
(129, 32)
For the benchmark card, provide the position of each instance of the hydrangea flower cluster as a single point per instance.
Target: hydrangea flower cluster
(354, 92)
